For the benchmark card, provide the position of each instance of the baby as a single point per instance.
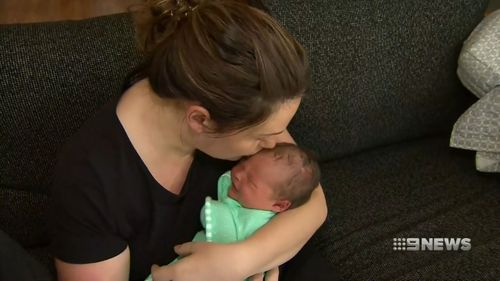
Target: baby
(258, 187)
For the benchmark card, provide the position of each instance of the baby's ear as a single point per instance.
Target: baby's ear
(281, 205)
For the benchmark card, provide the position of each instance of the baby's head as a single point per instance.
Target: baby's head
(275, 179)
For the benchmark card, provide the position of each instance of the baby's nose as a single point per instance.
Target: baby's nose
(236, 178)
(234, 174)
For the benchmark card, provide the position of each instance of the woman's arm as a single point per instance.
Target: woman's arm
(285, 235)
(270, 246)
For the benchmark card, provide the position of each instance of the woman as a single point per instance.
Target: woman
(220, 80)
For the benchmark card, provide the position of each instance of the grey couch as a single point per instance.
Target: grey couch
(385, 95)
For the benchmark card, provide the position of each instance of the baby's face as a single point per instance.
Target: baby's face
(254, 181)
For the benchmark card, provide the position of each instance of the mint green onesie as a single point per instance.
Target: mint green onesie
(225, 220)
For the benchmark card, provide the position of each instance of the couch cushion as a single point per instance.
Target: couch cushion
(42, 255)
(53, 76)
(383, 71)
(24, 216)
(420, 189)
(13, 255)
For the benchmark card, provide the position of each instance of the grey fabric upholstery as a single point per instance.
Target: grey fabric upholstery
(12, 255)
(420, 188)
(383, 81)
(53, 76)
(383, 71)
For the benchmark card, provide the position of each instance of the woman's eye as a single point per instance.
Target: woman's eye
(262, 140)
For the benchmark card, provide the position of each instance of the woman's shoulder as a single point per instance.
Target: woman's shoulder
(97, 160)
(98, 139)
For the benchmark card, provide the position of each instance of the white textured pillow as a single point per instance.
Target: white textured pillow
(479, 70)
(479, 129)
(479, 61)
(488, 161)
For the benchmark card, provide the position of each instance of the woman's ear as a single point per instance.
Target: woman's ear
(198, 119)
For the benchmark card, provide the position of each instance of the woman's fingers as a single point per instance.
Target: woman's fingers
(204, 261)
(187, 249)
(162, 273)
(273, 274)
(257, 277)
(192, 267)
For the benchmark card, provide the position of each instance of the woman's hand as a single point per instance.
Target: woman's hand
(271, 275)
(205, 262)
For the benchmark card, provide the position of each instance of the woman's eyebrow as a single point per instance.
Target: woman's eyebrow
(272, 134)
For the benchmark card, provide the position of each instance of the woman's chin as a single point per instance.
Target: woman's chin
(223, 157)
(236, 158)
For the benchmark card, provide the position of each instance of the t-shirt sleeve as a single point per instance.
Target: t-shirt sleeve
(83, 228)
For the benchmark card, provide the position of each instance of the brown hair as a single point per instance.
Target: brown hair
(305, 171)
(232, 58)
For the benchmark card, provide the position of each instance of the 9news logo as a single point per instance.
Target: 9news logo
(431, 244)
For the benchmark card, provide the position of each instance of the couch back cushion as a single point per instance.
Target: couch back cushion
(53, 76)
(383, 71)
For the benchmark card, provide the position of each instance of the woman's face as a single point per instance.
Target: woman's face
(251, 140)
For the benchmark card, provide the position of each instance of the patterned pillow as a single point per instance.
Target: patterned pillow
(479, 129)
(479, 70)
(488, 161)
(479, 61)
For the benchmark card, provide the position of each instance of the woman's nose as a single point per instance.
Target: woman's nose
(268, 144)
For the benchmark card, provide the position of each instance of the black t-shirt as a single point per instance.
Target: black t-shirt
(105, 199)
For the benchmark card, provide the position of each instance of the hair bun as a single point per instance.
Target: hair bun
(173, 8)
(156, 20)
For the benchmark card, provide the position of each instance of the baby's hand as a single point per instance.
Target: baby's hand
(271, 275)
